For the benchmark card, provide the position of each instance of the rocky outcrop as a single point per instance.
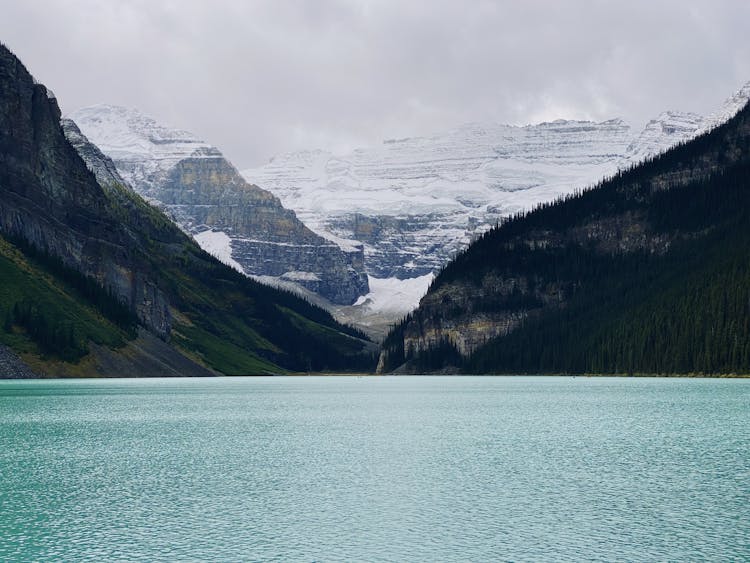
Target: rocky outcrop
(404, 247)
(196, 186)
(12, 367)
(470, 314)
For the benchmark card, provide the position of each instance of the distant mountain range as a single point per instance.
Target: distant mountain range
(376, 224)
(415, 202)
(646, 273)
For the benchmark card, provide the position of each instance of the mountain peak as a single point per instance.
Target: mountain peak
(672, 115)
(123, 131)
(728, 109)
(578, 122)
(664, 131)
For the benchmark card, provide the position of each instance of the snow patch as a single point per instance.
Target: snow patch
(392, 295)
(219, 245)
(300, 276)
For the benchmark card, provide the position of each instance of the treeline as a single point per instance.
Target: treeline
(102, 299)
(278, 325)
(440, 356)
(689, 319)
(311, 349)
(53, 336)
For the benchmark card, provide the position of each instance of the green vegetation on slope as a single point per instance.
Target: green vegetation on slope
(230, 322)
(46, 316)
(688, 314)
(239, 326)
(225, 320)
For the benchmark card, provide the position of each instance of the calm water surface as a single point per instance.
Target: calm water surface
(434, 468)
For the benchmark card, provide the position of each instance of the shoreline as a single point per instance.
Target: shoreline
(369, 375)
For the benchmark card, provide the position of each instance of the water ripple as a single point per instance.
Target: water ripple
(376, 469)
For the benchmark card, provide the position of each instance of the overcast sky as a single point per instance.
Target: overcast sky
(256, 78)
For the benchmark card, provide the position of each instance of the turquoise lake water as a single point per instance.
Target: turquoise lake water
(346, 468)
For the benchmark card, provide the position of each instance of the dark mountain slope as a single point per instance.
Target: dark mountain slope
(648, 272)
(113, 254)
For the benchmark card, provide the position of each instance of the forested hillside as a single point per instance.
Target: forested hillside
(648, 272)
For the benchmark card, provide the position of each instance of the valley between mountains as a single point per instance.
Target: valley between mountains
(131, 248)
(385, 218)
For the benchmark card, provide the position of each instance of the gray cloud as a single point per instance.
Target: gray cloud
(260, 77)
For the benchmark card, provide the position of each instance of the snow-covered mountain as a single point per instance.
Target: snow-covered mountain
(143, 150)
(240, 223)
(415, 202)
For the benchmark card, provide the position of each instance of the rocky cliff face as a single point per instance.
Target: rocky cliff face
(192, 182)
(77, 243)
(466, 326)
(50, 200)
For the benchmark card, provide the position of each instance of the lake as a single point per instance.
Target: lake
(375, 468)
